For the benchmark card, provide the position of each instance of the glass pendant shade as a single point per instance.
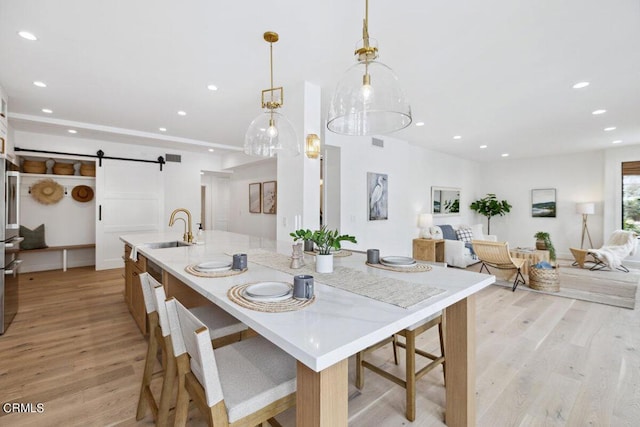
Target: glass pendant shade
(368, 101)
(271, 134)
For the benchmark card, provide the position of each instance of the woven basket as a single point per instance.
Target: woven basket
(34, 166)
(88, 169)
(63, 169)
(542, 279)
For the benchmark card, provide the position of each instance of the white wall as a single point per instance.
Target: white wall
(577, 178)
(240, 219)
(412, 171)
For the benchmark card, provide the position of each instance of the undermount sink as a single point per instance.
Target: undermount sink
(162, 245)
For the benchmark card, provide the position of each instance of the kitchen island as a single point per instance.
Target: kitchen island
(323, 335)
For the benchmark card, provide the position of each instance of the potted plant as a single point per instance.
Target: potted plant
(305, 235)
(490, 206)
(543, 242)
(327, 241)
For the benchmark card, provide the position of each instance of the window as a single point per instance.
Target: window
(631, 196)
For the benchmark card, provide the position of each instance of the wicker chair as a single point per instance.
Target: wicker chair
(496, 254)
(621, 244)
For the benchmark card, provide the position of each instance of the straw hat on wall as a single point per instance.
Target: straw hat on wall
(82, 193)
(47, 191)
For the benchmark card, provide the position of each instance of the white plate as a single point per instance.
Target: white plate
(267, 299)
(210, 266)
(398, 265)
(397, 261)
(268, 289)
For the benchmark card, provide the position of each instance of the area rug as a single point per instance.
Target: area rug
(604, 287)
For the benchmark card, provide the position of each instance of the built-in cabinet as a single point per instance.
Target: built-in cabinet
(68, 222)
(133, 295)
(4, 124)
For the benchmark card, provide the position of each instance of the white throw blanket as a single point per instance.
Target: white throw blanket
(620, 245)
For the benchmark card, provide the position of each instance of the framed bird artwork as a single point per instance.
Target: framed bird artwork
(378, 196)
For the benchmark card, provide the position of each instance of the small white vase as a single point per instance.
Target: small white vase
(324, 263)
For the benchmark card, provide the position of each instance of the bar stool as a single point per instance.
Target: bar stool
(225, 329)
(411, 375)
(242, 384)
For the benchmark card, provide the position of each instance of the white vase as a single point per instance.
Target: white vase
(324, 263)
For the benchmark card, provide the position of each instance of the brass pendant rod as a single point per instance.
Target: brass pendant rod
(365, 25)
(271, 65)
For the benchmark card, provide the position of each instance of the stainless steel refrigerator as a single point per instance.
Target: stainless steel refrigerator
(9, 236)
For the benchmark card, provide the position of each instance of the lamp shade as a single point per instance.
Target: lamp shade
(376, 107)
(271, 134)
(586, 208)
(425, 220)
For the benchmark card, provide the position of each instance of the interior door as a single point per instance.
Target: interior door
(129, 200)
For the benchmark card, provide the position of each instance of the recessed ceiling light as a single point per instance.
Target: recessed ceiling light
(483, 146)
(39, 83)
(617, 141)
(419, 123)
(72, 131)
(212, 87)
(505, 154)
(580, 85)
(162, 129)
(597, 112)
(46, 110)
(211, 150)
(457, 137)
(182, 113)
(27, 35)
(609, 129)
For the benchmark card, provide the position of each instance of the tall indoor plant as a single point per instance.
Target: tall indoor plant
(490, 206)
(326, 241)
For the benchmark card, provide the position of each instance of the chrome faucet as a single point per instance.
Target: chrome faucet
(188, 235)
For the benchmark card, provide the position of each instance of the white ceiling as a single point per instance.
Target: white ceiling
(496, 72)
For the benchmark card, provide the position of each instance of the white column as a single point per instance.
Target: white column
(299, 177)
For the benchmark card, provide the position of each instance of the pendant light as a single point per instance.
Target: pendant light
(368, 99)
(271, 133)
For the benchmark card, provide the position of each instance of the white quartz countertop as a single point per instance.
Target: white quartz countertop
(337, 325)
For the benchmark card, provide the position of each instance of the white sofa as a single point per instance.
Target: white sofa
(456, 254)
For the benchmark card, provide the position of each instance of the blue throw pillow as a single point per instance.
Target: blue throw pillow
(448, 232)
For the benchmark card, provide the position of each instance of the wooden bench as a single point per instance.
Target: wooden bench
(64, 250)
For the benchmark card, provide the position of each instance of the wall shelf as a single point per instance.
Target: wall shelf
(54, 176)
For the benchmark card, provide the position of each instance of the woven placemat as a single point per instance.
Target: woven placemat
(235, 294)
(417, 268)
(192, 270)
(342, 253)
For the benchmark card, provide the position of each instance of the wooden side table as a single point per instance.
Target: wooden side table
(532, 256)
(428, 250)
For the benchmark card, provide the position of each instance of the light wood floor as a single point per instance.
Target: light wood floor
(541, 360)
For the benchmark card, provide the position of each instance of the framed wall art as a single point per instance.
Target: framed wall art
(269, 197)
(255, 197)
(445, 201)
(378, 196)
(543, 203)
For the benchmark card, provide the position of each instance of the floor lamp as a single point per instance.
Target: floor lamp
(585, 209)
